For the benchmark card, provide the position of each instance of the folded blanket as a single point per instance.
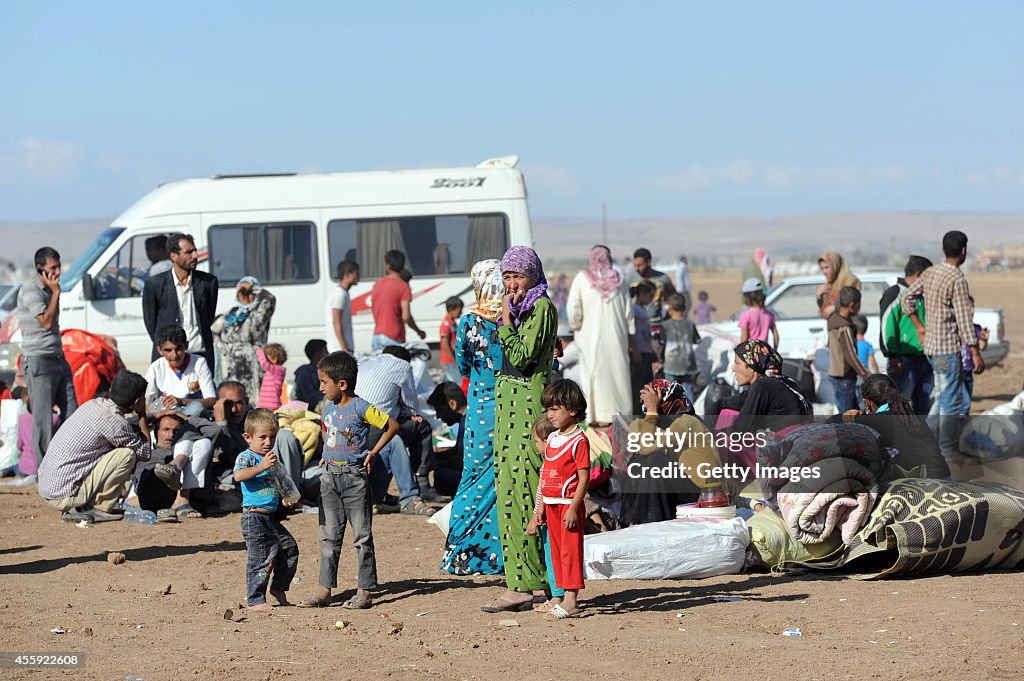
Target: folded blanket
(938, 526)
(841, 498)
(823, 477)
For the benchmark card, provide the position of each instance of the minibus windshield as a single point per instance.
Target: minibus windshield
(98, 247)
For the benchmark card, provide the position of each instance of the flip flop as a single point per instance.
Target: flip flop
(169, 475)
(557, 612)
(314, 601)
(516, 607)
(166, 515)
(186, 512)
(358, 603)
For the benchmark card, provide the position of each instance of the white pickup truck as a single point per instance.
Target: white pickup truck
(802, 331)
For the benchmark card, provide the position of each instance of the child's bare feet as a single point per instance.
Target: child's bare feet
(260, 608)
(280, 596)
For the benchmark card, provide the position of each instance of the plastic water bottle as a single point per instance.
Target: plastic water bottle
(136, 516)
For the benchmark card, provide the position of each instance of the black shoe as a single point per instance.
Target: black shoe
(76, 516)
(99, 516)
(430, 494)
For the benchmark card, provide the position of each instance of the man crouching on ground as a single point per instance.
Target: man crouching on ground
(93, 454)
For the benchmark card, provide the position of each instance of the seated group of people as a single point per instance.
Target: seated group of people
(768, 401)
(186, 446)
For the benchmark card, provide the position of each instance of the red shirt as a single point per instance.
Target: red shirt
(388, 294)
(563, 457)
(447, 331)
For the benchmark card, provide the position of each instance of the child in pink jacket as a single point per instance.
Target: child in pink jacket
(272, 359)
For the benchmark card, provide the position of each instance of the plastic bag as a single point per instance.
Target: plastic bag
(674, 549)
(10, 412)
(775, 547)
(284, 484)
(442, 518)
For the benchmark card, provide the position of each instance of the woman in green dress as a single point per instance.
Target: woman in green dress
(527, 333)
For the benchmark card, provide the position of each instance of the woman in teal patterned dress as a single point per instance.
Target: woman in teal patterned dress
(473, 546)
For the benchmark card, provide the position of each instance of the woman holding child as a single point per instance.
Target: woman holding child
(600, 312)
(527, 333)
(240, 331)
(472, 547)
(837, 276)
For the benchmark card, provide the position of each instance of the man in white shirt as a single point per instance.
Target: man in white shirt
(339, 309)
(178, 382)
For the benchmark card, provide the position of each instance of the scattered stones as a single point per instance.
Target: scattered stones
(396, 627)
(115, 558)
(166, 591)
(340, 624)
(87, 631)
(229, 614)
(508, 623)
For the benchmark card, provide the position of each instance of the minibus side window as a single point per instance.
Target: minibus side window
(273, 252)
(433, 245)
(125, 274)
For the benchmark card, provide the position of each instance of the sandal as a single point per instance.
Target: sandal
(166, 515)
(169, 475)
(358, 603)
(514, 607)
(314, 601)
(186, 512)
(557, 612)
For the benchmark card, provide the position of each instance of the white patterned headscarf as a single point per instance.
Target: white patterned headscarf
(489, 289)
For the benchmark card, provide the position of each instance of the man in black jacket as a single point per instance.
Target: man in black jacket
(182, 295)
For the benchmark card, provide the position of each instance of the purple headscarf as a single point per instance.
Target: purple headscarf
(524, 260)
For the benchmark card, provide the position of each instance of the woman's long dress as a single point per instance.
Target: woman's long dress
(527, 355)
(237, 345)
(473, 546)
(603, 328)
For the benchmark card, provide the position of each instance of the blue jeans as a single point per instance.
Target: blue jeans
(914, 379)
(965, 408)
(844, 393)
(270, 548)
(451, 373)
(948, 392)
(393, 460)
(380, 341)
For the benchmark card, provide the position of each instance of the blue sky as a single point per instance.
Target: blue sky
(657, 109)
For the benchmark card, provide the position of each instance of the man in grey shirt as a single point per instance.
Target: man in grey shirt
(46, 371)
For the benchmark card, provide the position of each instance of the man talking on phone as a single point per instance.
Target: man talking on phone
(46, 371)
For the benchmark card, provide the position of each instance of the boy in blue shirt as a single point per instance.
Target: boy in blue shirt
(344, 485)
(270, 547)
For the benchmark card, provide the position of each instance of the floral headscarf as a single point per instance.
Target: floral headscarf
(601, 272)
(524, 260)
(766, 360)
(239, 312)
(673, 398)
(489, 288)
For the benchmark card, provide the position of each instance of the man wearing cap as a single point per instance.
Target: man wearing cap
(756, 322)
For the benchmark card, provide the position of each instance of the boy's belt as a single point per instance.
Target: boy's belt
(342, 466)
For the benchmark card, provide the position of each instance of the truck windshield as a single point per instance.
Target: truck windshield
(73, 274)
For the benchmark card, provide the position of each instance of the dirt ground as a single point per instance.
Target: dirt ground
(161, 614)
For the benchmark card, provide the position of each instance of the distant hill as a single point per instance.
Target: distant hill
(728, 242)
(69, 237)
